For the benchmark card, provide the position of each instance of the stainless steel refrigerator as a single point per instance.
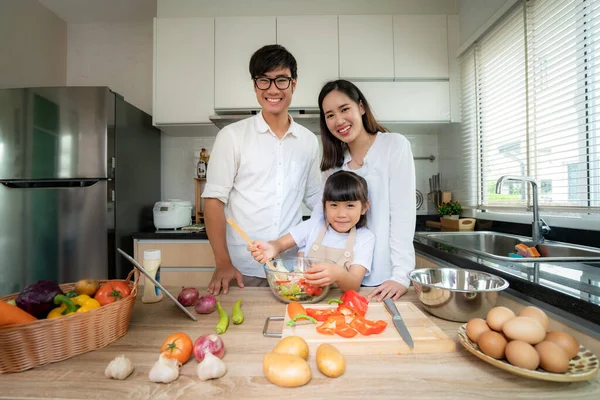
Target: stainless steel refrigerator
(79, 173)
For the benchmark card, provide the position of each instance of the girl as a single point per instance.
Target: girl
(340, 237)
(354, 141)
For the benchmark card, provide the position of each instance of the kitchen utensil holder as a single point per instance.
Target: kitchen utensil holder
(46, 341)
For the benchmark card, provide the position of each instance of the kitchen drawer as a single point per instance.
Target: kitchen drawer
(178, 254)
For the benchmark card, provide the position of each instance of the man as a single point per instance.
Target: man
(261, 169)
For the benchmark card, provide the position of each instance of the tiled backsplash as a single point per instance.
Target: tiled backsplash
(179, 157)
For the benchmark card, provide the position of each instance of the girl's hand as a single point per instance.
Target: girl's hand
(388, 289)
(323, 274)
(262, 251)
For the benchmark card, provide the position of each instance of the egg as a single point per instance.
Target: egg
(492, 343)
(525, 329)
(552, 357)
(497, 316)
(537, 314)
(475, 328)
(565, 341)
(522, 354)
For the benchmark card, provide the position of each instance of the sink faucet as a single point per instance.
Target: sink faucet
(539, 226)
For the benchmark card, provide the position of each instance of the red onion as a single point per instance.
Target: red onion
(188, 296)
(208, 344)
(206, 304)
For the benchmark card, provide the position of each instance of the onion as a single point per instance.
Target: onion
(188, 296)
(206, 304)
(208, 344)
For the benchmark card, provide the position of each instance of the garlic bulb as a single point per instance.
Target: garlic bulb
(165, 370)
(119, 368)
(212, 367)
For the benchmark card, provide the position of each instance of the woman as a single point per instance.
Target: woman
(353, 140)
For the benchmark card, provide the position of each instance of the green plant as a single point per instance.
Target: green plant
(450, 208)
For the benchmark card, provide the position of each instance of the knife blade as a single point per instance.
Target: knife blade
(399, 322)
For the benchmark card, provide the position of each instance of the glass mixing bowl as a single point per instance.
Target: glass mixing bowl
(287, 280)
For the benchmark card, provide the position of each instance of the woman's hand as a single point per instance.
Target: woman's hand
(388, 289)
(323, 274)
(262, 251)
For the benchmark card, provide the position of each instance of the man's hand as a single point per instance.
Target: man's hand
(221, 277)
(388, 289)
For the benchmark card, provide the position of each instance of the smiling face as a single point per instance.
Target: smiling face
(344, 215)
(343, 116)
(274, 100)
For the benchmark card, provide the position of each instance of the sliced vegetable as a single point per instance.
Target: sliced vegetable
(223, 319)
(331, 301)
(208, 344)
(13, 315)
(292, 321)
(38, 298)
(367, 327)
(329, 327)
(112, 291)
(321, 314)
(355, 301)
(237, 317)
(178, 346)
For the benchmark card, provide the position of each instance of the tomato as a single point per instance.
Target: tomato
(179, 346)
(112, 291)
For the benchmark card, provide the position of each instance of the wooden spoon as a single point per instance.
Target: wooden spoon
(239, 230)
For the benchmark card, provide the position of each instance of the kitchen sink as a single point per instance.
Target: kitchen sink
(499, 245)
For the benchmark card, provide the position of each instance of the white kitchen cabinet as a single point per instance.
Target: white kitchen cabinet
(366, 47)
(408, 101)
(183, 70)
(454, 68)
(236, 39)
(420, 47)
(313, 40)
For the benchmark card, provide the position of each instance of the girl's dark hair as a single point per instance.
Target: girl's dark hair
(333, 148)
(271, 57)
(347, 186)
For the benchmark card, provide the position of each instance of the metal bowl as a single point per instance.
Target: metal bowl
(286, 281)
(457, 294)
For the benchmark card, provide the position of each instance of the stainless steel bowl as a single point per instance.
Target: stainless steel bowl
(456, 294)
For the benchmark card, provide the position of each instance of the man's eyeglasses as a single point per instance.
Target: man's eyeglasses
(281, 82)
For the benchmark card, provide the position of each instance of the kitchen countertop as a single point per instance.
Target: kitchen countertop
(170, 235)
(457, 375)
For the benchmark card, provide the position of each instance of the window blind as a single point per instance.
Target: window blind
(530, 91)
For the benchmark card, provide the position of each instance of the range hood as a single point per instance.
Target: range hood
(307, 118)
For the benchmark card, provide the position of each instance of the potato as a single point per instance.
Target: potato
(293, 345)
(286, 370)
(330, 361)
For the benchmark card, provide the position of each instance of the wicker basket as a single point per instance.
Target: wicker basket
(46, 341)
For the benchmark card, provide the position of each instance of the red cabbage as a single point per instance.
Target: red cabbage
(38, 298)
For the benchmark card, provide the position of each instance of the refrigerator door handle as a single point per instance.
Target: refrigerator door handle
(50, 184)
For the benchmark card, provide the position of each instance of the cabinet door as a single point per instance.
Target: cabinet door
(236, 39)
(366, 47)
(454, 68)
(313, 40)
(420, 47)
(183, 70)
(408, 101)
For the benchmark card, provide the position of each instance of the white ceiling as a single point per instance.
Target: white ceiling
(88, 11)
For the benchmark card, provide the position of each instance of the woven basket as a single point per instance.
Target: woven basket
(46, 341)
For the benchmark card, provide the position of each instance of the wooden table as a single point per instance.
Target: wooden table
(457, 375)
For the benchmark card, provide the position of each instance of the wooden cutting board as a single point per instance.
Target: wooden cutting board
(426, 335)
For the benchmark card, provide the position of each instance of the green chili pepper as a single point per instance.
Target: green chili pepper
(301, 316)
(237, 317)
(334, 301)
(223, 319)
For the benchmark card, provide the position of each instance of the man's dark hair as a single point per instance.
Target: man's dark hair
(271, 57)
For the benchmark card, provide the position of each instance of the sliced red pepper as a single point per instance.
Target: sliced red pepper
(355, 301)
(344, 330)
(328, 327)
(346, 311)
(282, 281)
(367, 327)
(322, 314)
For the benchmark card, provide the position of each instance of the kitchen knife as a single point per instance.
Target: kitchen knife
(398, 322)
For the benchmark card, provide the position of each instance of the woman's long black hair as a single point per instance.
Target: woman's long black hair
(333, 148)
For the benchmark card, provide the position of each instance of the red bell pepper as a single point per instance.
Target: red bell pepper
(355, 301)
(321, 315)
(367, 327)
(337, 325)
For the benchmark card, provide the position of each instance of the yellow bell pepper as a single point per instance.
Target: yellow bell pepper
(85, 303)
(65, 306)
(57, 312)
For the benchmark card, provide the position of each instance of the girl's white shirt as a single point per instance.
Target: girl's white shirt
(389, 170)
(305, 234)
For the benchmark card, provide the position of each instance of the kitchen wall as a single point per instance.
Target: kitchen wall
(474, 13)
(33, 45)
(211, 8)
(117, 55)
(179, 157)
